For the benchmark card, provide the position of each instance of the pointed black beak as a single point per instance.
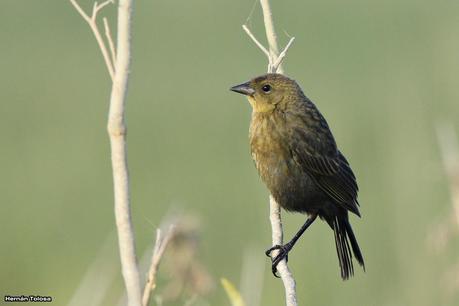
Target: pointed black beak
(244, 89)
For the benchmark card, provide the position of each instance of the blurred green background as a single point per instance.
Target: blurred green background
(383, 73)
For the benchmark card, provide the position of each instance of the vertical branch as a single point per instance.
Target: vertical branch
(275, 214)
(117, 132)
(275, 65)
(282, 268)
(91, 20)
(118, 62)
(270, 35)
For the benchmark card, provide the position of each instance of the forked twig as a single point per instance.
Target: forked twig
(259, 44)
(275, 66)
(274, 57)
(116, 128)
(158, 251)
(108, 35)
(92, 22)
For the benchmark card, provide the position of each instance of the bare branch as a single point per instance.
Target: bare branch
(158, 251)
(111, 45)
(117, 132)
(116, 129)
(93, 25)
(98, 7)
(259, 45)
(275, 217)
(274, 58)
(80, 11)
(270, 34)
(275, 65)
(282, 268)
(282, 55)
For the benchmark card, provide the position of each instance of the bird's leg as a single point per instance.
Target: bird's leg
(285, 249)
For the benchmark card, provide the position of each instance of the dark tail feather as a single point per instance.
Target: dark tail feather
(344, 235)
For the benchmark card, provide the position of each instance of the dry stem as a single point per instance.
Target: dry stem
(117, 132)
(108, 35)
(282, 268)
(92, 22)
(274, 57)
(119, 72)
(158, 251)
(275, 65)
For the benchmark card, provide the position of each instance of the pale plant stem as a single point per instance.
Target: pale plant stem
(260, 46)
(119, 72)
(270, 34)
(103, 49)
(275, 212)
(117, 132)
(275, 66)
(95, 30)
(158, 251)
(111, 45)
(282, 268)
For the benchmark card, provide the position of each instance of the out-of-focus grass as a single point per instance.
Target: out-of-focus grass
(382, 73)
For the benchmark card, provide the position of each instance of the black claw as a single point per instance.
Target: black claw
(269, 251)
(274, 270)
(283, 253)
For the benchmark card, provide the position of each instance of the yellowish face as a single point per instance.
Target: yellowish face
(260, 105)
(267, 92)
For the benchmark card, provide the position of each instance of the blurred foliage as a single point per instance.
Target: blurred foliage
(233, 294)
(382, 73)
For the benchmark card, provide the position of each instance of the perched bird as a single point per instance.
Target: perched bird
(297, 158)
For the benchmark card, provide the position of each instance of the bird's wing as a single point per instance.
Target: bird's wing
(315, 151)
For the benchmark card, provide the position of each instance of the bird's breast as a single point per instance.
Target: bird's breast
(270, 149)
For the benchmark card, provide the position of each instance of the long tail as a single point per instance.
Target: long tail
(344, 235)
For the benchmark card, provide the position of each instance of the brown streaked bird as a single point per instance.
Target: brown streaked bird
(297, 158)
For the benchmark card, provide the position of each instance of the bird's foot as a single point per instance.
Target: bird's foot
(283, 253)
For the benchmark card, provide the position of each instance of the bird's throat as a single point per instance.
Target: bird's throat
(260, 107)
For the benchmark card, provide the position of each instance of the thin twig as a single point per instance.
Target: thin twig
(282, 268)
(98, 7)
(274, 58)
(92, 22)
(275, 66)
(117, 130)
(108, 35)
(275, 214)
(260, 46)
(270, 33)
(80, 11)
(282, 55)
(158, 251)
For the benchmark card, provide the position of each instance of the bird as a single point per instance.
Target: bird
(297, 158)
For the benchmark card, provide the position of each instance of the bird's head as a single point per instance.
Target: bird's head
(267, 92)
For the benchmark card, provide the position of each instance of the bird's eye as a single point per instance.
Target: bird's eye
(266, 88)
